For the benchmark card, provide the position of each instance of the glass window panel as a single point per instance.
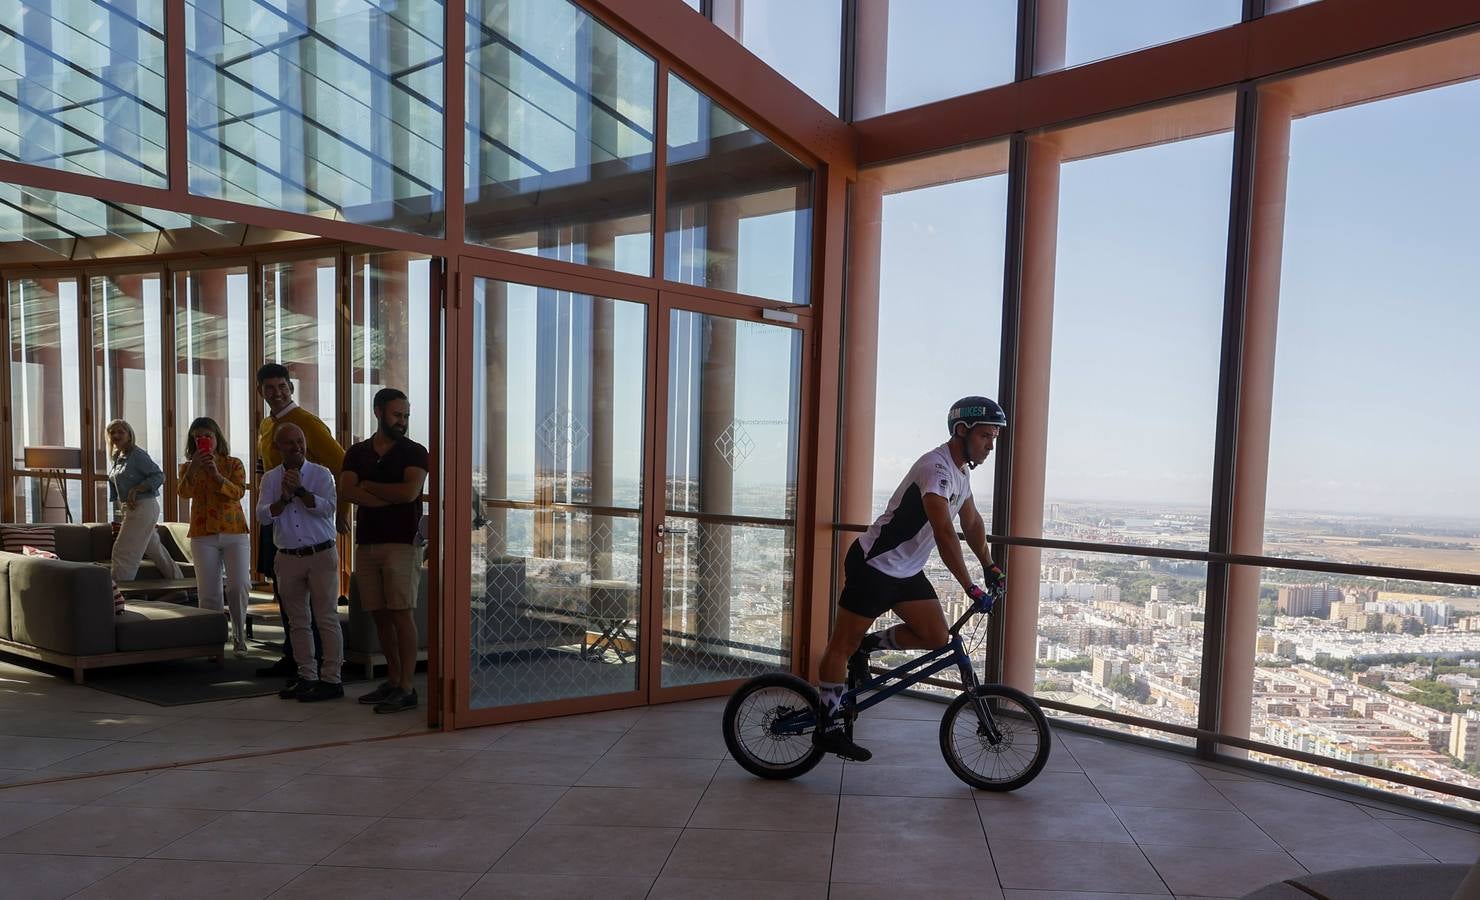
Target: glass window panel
(128, 367)
(557, 450)
(739, 207)
(1138, 308)
(912, 52)
(1081, 31)
(325, 108)
(213, 371)
(1123, 634)
(45, 369)
(1373, 419)
(925, 234)
(561, 118)
(732, 451)
(390, 307)
(1370, 670)
(46, 500)
(801, 39)
(299, 315)
(82, 88)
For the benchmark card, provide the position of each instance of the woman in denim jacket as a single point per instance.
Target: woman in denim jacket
(134, 481)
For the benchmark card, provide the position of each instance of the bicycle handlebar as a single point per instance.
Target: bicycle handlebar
(995, 594)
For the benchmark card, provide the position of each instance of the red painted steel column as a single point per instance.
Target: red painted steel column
(1028, 430)
(1256, 393)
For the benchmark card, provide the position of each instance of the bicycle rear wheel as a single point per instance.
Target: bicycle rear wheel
(754, 709)
(1003, 757)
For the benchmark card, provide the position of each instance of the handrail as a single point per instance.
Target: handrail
(1234, 559)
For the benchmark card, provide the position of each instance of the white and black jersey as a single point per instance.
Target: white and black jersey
(899, 542)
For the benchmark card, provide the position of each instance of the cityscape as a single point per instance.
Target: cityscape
(1367, 670)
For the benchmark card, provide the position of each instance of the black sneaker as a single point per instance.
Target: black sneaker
(871, 643)
(379, 694)
(397, 701)
(283, 668)
(835, 741)
(294, 687)
(321, 690)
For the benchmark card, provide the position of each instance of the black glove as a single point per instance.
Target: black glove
(995, 579)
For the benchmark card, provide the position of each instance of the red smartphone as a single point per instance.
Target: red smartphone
(202, 445)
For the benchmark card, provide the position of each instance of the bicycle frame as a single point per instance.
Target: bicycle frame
(903, 678)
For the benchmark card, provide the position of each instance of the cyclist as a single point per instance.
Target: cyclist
(884, 569)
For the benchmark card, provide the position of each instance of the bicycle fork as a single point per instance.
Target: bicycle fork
(986, 722)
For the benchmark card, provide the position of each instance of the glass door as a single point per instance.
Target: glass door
(559, 382)
(728, 534)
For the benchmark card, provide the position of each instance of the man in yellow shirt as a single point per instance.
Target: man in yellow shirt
(275, 386)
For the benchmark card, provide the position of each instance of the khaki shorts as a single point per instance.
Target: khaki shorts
(388, 575)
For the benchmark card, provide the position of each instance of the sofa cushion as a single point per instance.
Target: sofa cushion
(157, 625)
(4, 596)
(65, 607)
(73, 542)
(15, 538)
(100, 541)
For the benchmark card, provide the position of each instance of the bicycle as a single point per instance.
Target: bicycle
(993, 737)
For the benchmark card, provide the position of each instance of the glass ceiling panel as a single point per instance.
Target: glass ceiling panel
(82, 87)
(45, 226)
(332, 109)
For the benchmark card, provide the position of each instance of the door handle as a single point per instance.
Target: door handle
(664, 529)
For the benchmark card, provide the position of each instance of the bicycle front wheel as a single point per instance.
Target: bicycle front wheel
(751, 723)
(1001, 751)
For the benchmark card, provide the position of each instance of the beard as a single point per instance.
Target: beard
(390, 430)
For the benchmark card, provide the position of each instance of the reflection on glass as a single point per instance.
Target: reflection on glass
(1081, 31)
(739, 207)
(47, 502)
(802, 41)
(732, 452)
(82, 88)
(213, 374)
(390, 338)
(325, 108)
(127, 360)
(1330, 675)
(557, 447)
(298, 325)
(1138, 308)
(1373, 420)
(560, 135)
(1121, 633)
(912, 52)
(45, 385)
(925, 234)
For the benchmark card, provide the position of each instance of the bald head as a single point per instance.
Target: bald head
(291, 443)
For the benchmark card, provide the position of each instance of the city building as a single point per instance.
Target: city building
(1464, 737)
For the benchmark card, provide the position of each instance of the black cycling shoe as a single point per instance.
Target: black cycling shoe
(871, 643)
(835, 741)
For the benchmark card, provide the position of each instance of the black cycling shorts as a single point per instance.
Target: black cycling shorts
(870, 593)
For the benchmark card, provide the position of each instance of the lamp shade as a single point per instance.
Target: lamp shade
(52, 457)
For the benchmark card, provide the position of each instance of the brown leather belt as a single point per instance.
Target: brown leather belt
(307, 551)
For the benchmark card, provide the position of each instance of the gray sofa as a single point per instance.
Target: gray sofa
(61, 611)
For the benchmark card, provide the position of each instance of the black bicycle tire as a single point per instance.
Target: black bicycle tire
(1040, 721)
(732, 741)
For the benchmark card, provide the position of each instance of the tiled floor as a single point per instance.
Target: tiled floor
(645, 804)
(51, 728)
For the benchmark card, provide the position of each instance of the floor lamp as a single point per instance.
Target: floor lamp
(51, 463)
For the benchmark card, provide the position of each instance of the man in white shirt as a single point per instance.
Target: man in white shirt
(298, 500)
(885, 567)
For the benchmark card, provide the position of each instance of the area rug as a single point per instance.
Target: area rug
(185, 681)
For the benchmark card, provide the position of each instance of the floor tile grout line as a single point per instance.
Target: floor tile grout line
(685, 827)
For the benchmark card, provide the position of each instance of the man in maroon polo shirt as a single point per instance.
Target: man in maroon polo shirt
(383, 477)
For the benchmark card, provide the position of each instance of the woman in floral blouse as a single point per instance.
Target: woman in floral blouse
(214, 482)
